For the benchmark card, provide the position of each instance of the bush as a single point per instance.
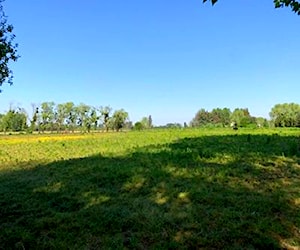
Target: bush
(138, 126)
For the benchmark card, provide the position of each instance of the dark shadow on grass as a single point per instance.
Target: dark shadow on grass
(214, 192)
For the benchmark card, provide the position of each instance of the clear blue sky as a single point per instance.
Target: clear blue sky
(165, 58)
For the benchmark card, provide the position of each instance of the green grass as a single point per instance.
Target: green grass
(164, 189)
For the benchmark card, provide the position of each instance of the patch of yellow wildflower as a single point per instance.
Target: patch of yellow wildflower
(39, 138)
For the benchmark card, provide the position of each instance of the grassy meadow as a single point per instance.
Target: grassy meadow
(156, 189)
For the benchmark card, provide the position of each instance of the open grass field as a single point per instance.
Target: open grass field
(156, 189)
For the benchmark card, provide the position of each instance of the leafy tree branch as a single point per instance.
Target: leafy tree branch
(293, 4)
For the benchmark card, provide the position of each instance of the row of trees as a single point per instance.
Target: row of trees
(224, 118)
(282, 115)
(64, 117)
(286, 115)
(70, 117)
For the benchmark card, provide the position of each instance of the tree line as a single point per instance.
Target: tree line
(65, 117)
(68, 117)
(282, 115)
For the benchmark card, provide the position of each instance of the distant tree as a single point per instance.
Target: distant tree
(242, 118)
(14, 121)
(83, 119)
(105, 115)
(285, 115)
(119, 119)
(8, 49)
(261, 122)
(173, 125)
(70, 112)
(94, 118)
(202, 118)
(145, 122)
(1, 122)
(128, 125)
(150, 122)
(293, 4)
(47, 114)
(6, 122)
(61, 116)
(34, 119)
(298, 120)
(20, 121)
(221, 116)
(65, 116)
(138, 126)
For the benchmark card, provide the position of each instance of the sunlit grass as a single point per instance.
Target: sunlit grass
(156, 189)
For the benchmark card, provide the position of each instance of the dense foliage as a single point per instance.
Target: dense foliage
(225, 118)
(144, 123)
(217, 117)
(286, 115)
(13, 121)
(282, 115)
(8, 49)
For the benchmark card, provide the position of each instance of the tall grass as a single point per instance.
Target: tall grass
(165, 189)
